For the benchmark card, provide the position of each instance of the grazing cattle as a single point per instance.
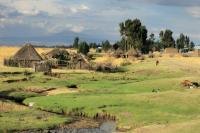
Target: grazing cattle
(157, 62)
(195, 84)
(190, 84)
(187, 83)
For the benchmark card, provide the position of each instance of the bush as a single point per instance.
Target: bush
(125, 63)
(74, 86)
(134, 53)
(118, 53)
(186, 55)
(106, 67)
(151, 55)
(141, 57)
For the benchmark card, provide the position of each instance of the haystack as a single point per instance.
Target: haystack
(27, 56)
(171, 51)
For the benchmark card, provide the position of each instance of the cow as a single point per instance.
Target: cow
(157, 62)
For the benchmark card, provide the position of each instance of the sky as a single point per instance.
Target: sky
(51, 22)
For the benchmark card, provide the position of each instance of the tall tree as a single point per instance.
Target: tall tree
(83, 48)
(150, 43)
(180, 42)
(134, 33)
(106, 45)
(93, 45)
(166, 38)
(192, 45)
(76, 42)
(184, 42)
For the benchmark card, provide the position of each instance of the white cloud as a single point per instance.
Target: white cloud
(77, 29)
(35, 7)
(79, 8)
(59, 27)
(194, 11)
(9, 21)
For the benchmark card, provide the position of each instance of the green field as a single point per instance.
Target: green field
(145, 98)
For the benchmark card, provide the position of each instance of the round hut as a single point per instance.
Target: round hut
(27, 56)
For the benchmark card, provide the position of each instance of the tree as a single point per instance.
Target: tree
(187, 41)
(93, 45)
(62, 56)
(192, 45)
(133, 33)
(83, 48)
(106, 45)
(184, 42)
(166, 38)
(149, 45)
(76, 42)
(116, 46)
(180, 42)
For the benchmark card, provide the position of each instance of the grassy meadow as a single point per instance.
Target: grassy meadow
(128, 95)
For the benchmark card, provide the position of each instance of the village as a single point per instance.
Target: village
(59, 75)
(108, 66)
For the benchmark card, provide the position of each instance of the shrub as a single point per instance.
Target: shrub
(72, 86)
(125, 63)
(118, 53)
(186, 55)
(141, 57)
(151, 55)
(134, 53)
(106, 67)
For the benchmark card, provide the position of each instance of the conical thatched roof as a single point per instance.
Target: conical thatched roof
(27, 52)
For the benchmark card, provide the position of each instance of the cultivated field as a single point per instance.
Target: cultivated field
(145, 98)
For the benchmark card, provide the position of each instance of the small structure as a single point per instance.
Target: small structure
(196, 53)
(99, 49)
(70, 60)
(171, 51)
(78, 61)
(27, 56)
(184, 50)
(43, 66)
(58, 57)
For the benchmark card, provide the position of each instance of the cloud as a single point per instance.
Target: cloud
(166, 2)
(80, 8)
(53, 28)
(194, 11)
(36, 7)
(43, 14)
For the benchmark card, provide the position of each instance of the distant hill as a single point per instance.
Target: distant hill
(64, 38)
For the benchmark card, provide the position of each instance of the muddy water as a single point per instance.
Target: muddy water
(105, 127)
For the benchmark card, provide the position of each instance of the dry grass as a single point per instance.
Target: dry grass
(8, 106)
(61, 91)
(184, 127)
(114, 61)
(7, 52)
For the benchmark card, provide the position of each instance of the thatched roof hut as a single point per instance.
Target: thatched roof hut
(56, 52)
(27, 56)
(27, 52)
(62, 58)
